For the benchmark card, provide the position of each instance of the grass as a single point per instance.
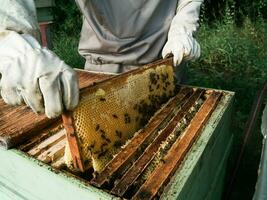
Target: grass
(232, 59)
(66, 32)
(67, 49)
(235, 59)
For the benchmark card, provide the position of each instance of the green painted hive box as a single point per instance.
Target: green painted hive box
(26, 174)
(44, 10)
(45, 19)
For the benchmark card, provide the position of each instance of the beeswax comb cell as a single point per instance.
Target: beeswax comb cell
(111, 111)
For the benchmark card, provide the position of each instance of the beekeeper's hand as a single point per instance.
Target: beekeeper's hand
(35, 75)
(181, 42)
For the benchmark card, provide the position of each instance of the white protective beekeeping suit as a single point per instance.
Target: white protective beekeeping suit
(116, 36)
(30, 73)
(119, 34)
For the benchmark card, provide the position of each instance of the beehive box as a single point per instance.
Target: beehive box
(45, 19)
(24, 177)
(44, 10)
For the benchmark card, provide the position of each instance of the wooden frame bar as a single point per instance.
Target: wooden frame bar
(176, 154)
(107, 83)
(127, 153)
(73, 142)
(144, 160)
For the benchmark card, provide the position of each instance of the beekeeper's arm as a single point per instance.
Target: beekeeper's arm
(181, 42)
(28, 72)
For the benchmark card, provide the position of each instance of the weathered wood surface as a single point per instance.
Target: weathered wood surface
(162, 174)
(19, 123)
(54, 153)
(139, 166)
(46, 144)
(73, 142)
(124, 157)
(58, 164)
(41, 136)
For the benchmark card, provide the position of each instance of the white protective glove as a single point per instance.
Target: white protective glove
(35, 75)
(181, 42)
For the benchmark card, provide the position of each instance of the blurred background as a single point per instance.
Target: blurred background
(233, 38)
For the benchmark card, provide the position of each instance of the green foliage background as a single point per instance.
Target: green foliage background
(233, 38)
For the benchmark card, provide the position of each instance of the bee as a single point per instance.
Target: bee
(108, 140)
(135, 107)
(97, 127)
(153, 79)
(150, 88)
(142, 101)
(117, 144)
(167, 83)
(164, 77)
(102, 99)
(127, 118)
(115, 116)
(86, 162)
(91, 146)
(103, 153)
(118, 133)
(96, 152)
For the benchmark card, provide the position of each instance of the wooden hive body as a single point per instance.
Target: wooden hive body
(23, 176)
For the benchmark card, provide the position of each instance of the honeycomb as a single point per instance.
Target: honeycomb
(110, 113)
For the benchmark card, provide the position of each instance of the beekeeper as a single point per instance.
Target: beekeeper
(116, 36)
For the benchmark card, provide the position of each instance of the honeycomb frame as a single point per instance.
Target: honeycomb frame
(156, 84)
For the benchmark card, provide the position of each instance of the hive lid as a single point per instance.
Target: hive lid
(19, 123)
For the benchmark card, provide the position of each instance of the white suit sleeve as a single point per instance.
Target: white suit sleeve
(187, 15)
(181, 42)
(19, 16)
(30, 73)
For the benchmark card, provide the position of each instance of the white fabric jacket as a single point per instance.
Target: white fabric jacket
(133, 32)
(19, 16)
(116, 32)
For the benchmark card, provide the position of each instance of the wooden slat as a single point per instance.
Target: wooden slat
(124, 76)
(58, 164)
(72, 141)
(43, 135)
(18, 124)
(46, 144)
(126, 154)
(144, 160)
(55, 152)
(87, 78)
(176, 154)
